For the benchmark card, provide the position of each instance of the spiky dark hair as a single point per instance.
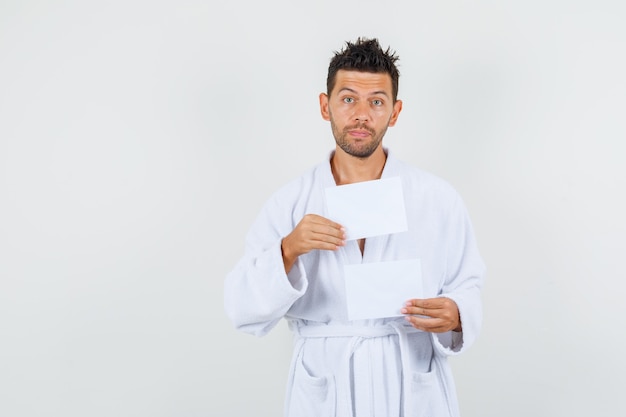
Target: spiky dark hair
(365, 55)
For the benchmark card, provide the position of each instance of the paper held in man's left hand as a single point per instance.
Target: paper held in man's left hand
(380, 289)
(369, 208)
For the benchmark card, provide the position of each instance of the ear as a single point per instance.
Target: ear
(397, 108)
(324, 106)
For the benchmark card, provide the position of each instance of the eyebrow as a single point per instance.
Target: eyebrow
(379, 92)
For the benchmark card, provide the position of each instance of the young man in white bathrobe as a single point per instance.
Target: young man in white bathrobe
(293, 266)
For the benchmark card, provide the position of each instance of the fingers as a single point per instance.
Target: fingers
(437, 315)
(325, 239)
(426, 307)
(314, 218)
(429, 305)
(323, 227)
(431, 325)
(313, 232)
(321, 233)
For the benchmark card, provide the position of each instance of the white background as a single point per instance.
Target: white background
(138, 140)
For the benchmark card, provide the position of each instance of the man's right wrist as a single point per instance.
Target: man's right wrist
(288, 259)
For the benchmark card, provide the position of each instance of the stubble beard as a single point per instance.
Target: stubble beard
(362, 152)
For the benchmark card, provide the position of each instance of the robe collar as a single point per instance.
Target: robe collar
(389, 170)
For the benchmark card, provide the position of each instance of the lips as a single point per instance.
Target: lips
(359, 133)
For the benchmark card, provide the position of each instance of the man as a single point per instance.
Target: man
(295, 259)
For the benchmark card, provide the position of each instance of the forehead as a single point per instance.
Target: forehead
(363, 82)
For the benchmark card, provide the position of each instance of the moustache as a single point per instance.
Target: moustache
(359, 126)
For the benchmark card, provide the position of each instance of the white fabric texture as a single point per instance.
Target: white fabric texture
(382, 367)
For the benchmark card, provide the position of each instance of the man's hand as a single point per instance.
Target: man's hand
(442, 314)
(313, 232)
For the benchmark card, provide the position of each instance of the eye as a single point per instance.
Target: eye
(377, 102)
(348, 100)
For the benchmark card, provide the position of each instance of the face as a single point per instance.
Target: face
(360, 108)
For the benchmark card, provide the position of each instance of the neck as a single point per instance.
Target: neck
(348, 169)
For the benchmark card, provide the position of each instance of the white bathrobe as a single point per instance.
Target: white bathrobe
(382, 367)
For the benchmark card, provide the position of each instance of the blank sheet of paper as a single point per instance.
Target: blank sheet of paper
(380, 289)
(369, 208)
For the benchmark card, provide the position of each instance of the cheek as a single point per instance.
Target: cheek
(389, 115)
(341, 109)
(340, 115)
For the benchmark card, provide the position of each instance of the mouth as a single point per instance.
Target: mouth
(357, 133)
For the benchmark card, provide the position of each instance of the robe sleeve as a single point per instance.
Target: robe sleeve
(258, 292)
(463, 282)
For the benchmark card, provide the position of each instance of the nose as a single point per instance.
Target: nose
(361, 112)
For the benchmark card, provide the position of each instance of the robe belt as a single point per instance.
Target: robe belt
(358, 334)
